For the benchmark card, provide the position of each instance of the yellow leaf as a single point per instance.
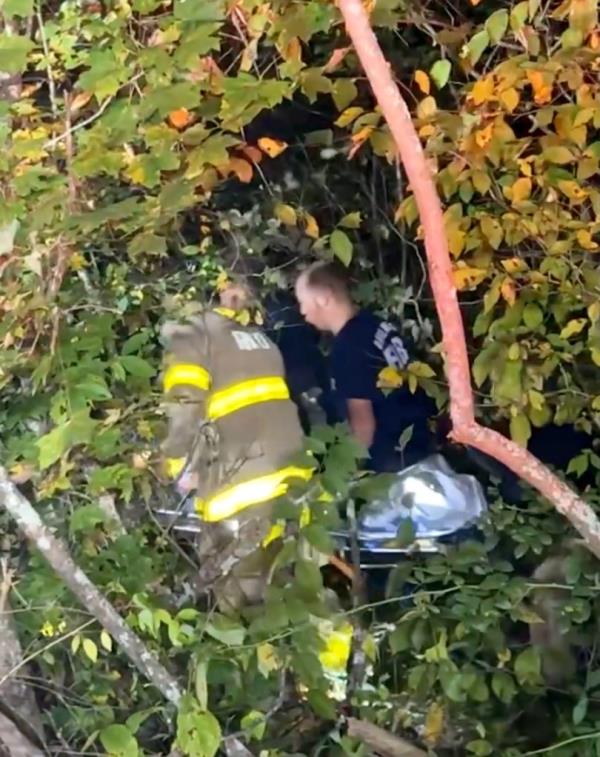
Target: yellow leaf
(349, 115)
(542, 89)
(509, 98)
(286, 214)
(106, 640)
(351, 220)
(594, 311)
(559, 155)
(514, 265)
(90, 649)
(481, 181)
(434, 724)
(572, 190)
(508, 290)
(427, 108)
(423, 81)
(422, 370)
(468, 277)
(585, 240)
(272, 147)
(311, 227)
(389, 378)
(492, 230)
(267, 659)
(483, 90)
(521, 190)
(456, 240)
(595, 353)
(573, 327)
(514, 351)
(359, 139)
(484, 136)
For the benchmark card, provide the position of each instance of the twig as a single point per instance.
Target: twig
(384, 743)
(51, 83)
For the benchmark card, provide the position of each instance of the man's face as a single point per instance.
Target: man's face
(314, 305)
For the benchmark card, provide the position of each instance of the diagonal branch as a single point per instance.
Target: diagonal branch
(56, 553)
(465, 427)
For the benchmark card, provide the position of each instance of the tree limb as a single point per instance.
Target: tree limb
(382, 742)
(456, 361)
(56, 553)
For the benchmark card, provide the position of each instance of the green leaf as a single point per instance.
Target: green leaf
(480, 747)
(206, 11)
(344, 91)
(118, 740)
(504, 687)
(13, 53)
(53, 445)
(137, 366)
(22, 8)
(440, 72)
(533, 316)
(308, 576)
(497, 24)
(520, 429)
(323, 706)
(528, 666)
(254, 724)
(580, 710)
(341, 246)
(318, 537)
(226, 631)
(477, 45)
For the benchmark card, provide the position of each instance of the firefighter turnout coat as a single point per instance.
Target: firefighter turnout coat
(231, 419)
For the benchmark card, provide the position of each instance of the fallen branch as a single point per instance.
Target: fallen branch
(382, 742)
(465, 427)
(56, 553)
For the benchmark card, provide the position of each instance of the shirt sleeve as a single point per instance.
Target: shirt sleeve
(353, 370)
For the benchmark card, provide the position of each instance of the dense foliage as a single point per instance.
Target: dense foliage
(139, 140)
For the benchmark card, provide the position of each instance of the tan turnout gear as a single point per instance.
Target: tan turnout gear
(232, 422)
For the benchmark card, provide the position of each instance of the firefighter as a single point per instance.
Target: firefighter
(234, 438)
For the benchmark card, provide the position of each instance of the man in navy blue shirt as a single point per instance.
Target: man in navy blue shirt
(363, 345)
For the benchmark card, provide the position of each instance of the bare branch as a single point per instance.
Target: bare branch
(382, 742)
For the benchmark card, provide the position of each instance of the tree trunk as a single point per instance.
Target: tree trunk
(456, 362)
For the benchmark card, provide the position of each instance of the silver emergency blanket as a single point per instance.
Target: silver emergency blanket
(434, 497)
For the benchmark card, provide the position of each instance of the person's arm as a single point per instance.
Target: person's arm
(362, 420)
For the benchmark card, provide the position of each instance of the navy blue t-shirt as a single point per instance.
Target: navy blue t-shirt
(364, 346)
(305, 365)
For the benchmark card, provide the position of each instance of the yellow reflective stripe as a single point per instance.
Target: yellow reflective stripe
(246, 393)
(186, 373)
(174, 466)
(226, 312)
(236, 498)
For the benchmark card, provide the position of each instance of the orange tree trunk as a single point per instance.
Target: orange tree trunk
(465, 428)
